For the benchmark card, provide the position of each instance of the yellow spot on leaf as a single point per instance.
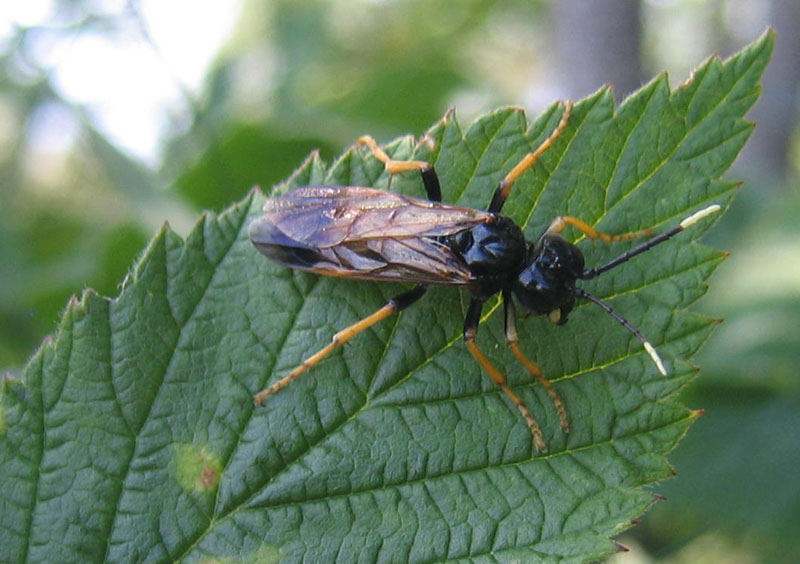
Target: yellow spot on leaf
(196, 469)
(266, 554)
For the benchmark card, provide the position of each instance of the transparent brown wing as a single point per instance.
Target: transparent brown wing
(364, 233)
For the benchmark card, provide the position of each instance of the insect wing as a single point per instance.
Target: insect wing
(329, 215)
(364, 233)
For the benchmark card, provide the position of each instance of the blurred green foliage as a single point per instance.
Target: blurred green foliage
(308, 75)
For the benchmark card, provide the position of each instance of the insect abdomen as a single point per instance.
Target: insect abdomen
(274, 244)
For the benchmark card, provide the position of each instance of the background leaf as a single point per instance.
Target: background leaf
(133, 436)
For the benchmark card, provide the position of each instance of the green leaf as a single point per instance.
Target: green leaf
(132, 435)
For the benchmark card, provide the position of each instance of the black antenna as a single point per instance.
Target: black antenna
(650, 243)
(651, 350)
(625, 257)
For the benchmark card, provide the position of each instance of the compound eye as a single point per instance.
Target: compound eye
(555, 260)
(558, 254)
(550, 258)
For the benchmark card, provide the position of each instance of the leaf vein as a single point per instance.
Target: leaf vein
(678, 143)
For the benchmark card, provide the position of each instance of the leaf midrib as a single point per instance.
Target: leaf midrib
(688, 131)
(168, 365)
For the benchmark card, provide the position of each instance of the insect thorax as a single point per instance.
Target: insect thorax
(494, 253)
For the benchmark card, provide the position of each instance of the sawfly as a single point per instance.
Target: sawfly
(370, 234)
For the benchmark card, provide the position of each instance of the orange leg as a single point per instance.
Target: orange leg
(505, 185)
(429, 178)
(561, 222)
(396, 304)
(392, 166)
(513, 342)
(470, 333)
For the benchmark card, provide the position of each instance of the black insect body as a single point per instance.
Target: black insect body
(373, 234)
(493, 253)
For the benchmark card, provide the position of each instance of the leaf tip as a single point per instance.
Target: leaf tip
(11, 387)
(619, 547)
(165, 229)
(767, 38)
(605, 94)
(313, 162)
(73, 306)
(448, 115)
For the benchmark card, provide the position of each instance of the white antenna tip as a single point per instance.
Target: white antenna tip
(695, 217)
(655, 358)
